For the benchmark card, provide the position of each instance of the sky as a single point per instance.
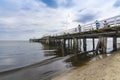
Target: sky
(24, 19)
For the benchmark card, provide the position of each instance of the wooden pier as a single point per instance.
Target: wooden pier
(77, 41)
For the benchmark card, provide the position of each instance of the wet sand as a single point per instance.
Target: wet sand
(99, 69)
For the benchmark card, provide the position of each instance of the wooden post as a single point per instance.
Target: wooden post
(80, 45)
(57, 43)
(47, 41)
(93, 44)
(71, 44)
(54, 42)
(67, 43)
(75, 45)
(93, 39)
(68, 46)
(104, 45)
(114, 43)
(84, 44)
(60, 43)
(63, 46)
(98, 47)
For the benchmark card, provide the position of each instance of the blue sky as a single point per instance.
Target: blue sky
(24, 19)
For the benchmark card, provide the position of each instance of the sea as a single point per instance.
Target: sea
(24, 60)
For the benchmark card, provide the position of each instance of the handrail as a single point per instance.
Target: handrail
(113, 21)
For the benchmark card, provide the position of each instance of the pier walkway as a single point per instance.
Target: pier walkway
(76, 40)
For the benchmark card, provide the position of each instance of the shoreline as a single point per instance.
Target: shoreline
(99, 69)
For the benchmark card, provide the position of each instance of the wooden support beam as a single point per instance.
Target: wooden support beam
(75, 45)
(71, 44)
(98, 47)
(54, 42)
(84, 44)
(47, 41)
(104, 45)
(80, 44)
(93, 39)
(68, 43)
(57, 43)
(63, 43)
(114, 43)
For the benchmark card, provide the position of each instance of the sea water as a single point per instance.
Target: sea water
(22, 60)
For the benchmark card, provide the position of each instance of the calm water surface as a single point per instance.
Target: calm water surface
(22, 60)
(14, 54)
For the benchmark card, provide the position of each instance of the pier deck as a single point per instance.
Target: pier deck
(76, 40)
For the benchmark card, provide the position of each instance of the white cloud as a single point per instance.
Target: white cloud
(37, 19)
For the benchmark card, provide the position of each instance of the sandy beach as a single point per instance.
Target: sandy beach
(99, 69)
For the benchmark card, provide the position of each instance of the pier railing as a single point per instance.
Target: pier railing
(114, 21)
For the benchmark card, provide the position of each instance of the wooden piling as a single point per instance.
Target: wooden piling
(75, 45)
(84, 44)
(47, 41)
(93, 41)
(104, 45)
(71, 43)
(98, 45)
(114, 43)
(68, 43)
(57, 43)
(80, 44)
(63, 43)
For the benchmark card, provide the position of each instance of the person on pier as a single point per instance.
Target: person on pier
(106, 25)
(79, 28)
(97, 23)
(75, 29)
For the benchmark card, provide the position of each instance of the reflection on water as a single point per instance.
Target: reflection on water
(16, 54)
(36, 61)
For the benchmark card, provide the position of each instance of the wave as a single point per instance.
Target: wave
(41, 63)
